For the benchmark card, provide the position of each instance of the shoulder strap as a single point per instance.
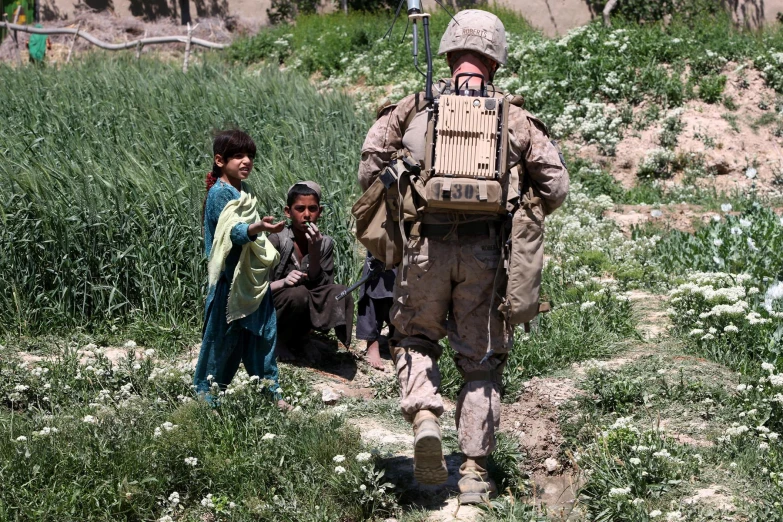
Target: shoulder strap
(419, 105)
(286, 249)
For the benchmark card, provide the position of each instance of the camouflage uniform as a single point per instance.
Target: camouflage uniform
(446, 282)
(450, 280)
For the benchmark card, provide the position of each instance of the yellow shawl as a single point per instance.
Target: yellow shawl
(251, 277)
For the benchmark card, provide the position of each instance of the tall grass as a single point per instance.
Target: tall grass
(104, 169)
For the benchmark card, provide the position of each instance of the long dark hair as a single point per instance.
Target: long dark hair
(227, 143)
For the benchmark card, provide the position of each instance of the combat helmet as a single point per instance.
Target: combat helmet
(478, 31)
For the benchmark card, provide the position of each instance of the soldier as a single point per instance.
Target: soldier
(446, 283)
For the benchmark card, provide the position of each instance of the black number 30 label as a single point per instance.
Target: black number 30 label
(463, 192)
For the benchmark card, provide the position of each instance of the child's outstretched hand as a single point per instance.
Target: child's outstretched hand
(268, 225)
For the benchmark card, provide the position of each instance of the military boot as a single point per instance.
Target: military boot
(429, 466)
(475, 486)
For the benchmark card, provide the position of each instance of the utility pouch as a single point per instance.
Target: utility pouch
(525, 261)
(381, 211)
(399, 180)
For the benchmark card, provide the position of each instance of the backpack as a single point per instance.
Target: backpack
(402, 191)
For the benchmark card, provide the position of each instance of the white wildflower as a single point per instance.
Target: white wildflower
(174, 498)
(268, 436)
(191, 461)
(663, 454)
(339, 470)
(767, 366)
(338, 458)
(587, 305)
(717, 242)
(774, 293)
(726, 207)
(21, 438)
(89, 419)
(751, 173)
(619, 492)
(655, 513)
(129, 344)
(635, 461)
(363, 457)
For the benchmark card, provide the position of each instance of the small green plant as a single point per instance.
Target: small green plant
(705, 138)
(711, 88)
(765, 119)
(732, 120)
(729, 103)
(657, 164)
(671, 128)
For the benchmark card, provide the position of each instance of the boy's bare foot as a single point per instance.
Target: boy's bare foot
(283, 354)
(284, 406)
(374, 356)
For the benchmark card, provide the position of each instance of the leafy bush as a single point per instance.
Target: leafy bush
(630, 472)
(728, 317)
(671, 128)
(657, 164)
(711, 88)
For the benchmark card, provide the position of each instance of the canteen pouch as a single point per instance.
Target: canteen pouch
(375, 228)
(381, 211)
(465, 194)
(525, 258)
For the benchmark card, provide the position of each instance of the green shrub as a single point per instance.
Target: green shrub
(711, 88)
(657, 164)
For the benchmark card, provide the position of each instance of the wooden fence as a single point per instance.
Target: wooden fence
(188, 39)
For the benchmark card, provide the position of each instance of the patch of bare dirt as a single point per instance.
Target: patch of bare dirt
(113, 353)
(714, 497)
(728, 141)
(683, 217)
(580, 369)
(533, 420)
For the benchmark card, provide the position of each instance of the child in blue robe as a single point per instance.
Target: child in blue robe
(250, 339)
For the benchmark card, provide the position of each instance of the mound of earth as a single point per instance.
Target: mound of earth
(729, 142)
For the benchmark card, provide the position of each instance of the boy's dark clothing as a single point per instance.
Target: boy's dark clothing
(312, 304)
(375, 302)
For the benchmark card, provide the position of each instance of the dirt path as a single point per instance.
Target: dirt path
(534, 420)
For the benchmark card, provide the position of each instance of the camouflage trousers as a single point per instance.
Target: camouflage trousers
(445, 288)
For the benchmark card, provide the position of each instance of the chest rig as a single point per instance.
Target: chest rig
(466, 153)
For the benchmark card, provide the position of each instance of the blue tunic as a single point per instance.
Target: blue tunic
(250, 340)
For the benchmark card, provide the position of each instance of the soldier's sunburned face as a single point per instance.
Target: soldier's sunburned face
(305, 209)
